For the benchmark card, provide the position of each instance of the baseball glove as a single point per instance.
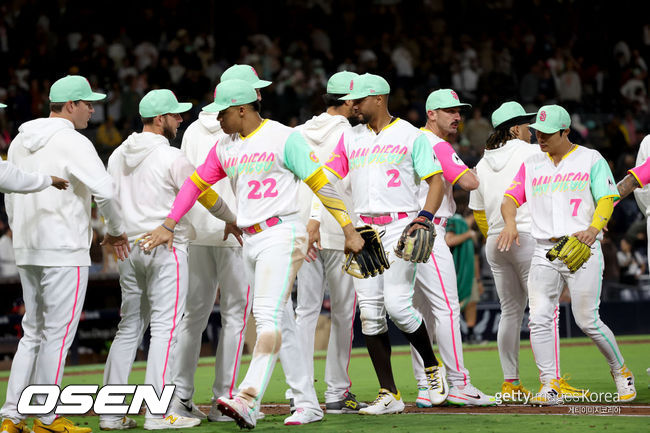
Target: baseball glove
(417, 246)
(571, 252)
(371, 260)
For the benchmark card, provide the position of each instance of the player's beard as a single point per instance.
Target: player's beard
(354, 120)
(169, 132)
(362, 119)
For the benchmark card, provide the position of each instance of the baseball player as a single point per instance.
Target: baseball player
(323, 267)
(264, 161)
(436, 279)
(51, 238)
(385, 158)
(213, 263)
(569, 190)
(639, 177)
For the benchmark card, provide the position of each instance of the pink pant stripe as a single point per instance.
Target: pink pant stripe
(555, 343)
(171, 333)
(451, 319)
(67, 328)
(347, 367)
(241, 340)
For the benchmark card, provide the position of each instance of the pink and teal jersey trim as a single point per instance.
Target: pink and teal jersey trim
(208, 173)
(517, 190)
(641, 173)
(452, 166)
(338, 161)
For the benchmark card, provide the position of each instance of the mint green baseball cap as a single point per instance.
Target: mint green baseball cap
(341, 83)
(246, 73)
(73, 88)
(366, 85)
(3, 106)
(551, 119)
(510, 114)
(444, 98)
(162, 101)
(231, 93)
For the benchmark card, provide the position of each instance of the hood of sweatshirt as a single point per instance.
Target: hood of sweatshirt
(210, 122)
(139, 145)
(497, 159)
(319, 128)
(36, 133)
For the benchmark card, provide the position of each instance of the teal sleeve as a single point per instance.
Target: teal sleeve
(424, 159)
(602, 181)
(299, 158)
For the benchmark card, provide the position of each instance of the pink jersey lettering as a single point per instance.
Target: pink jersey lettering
(338, 161)
(517, 190)
(452, 166)
(641, 172)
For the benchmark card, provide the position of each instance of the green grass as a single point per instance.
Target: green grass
(585, 364)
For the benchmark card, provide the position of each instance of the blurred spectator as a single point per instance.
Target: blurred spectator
(477, 130)
(631, 263)
(108, 136)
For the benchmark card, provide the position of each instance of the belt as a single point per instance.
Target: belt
(383, 219)
(440, 222)
(554, 240)
(256, 228)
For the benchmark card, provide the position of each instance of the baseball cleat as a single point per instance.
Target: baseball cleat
(437, 381)
(514, 393)
(349, 404)
(550, 394)
(385, 403)
(469, 395)
(303, 416)
(124, 423)
(624, 380)
(570, 391)
(423, 399)
(60, 425)
(185, 408)
(238, 409)
(171, 421)
(8, 426)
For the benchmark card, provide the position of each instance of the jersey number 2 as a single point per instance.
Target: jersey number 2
(394, 181)
(270, 189)
(576, 204)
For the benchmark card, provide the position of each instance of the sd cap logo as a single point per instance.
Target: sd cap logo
(542, 116)
(233, 100)
(454, 95)
(351, 84)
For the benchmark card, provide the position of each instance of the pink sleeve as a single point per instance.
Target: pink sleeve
(452, 166)
(338, 162)
(641, 172)
(208, 173)
(517, 190)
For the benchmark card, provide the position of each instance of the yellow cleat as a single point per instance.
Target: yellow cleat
(60, 425)
(514, 393)
(624, 380)
(570, 391)
(8, 426)
(549, 394)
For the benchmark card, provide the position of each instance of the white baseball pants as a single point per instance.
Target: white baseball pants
(436, 282)
(54, 298)
(154, 287)
(546, 280)
(313, 277)
(211, 267)
(510, 271)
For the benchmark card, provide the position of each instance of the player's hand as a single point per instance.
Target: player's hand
(157, 236)
(353, 240)
(59, 183)
(416, 226)
(119, 243)
(232, 229)
(507, 236)
(313, 233)
(587, 236)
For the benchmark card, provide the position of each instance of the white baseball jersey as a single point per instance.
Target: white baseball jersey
(452, 169)
(198, 139)
(385, 169)
(495, 171)
(562, 199)
(148, 173)
(266, 164)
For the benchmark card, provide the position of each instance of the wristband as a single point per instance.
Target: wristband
(167, 228)
(427, 215)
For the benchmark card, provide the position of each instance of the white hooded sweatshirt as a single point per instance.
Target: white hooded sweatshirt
(198, 139)
(323, 133)
(52, 228)
(148, 173)
(495, 171)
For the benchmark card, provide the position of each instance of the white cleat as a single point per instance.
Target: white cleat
(171, 421)
(423, 399)
(385, 403)
(304, 416)
(437, 380)
(238, 409)
(185, 408)
(469, 395)
(624, 380)
(124, 423)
